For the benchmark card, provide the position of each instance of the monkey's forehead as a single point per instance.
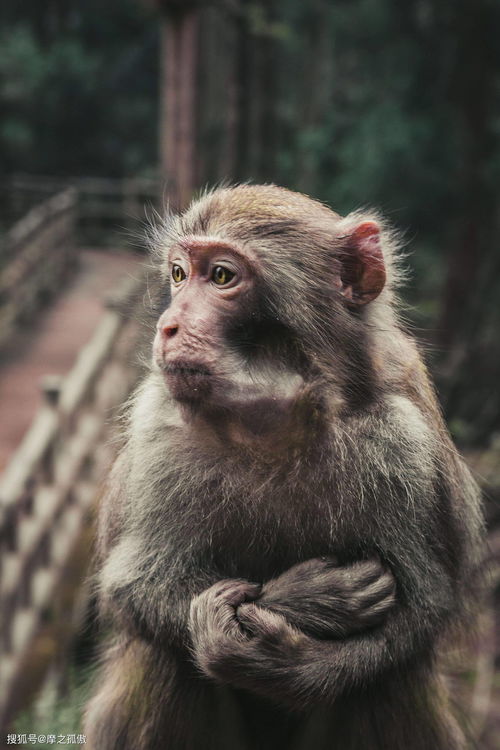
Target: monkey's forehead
(250, 210)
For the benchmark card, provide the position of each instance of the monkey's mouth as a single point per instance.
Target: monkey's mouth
(186, 369)
(187, 381)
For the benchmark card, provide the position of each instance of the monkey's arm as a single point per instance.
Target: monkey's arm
(112, 508)
(327, 600)
(149, 590)
(149, 586)
(152, 595)
(146, 589)
(258, 650)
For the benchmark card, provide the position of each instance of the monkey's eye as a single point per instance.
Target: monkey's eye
(178, 273)
(222, 275)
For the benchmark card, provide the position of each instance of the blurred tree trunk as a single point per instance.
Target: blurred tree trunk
(471, 96)
(471, 286)
(241, 122)
(231, 101)
(179, 96)
(218, 102)
(316, 90)
(252, 92)
(267, 61)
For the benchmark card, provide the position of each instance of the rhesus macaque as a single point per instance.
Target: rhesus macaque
(289, 532)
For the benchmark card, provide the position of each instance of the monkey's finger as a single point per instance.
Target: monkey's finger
(373, 614)
(242, 591)
(309, 568)
(330, 560)
(211, 615)
(356, 576)
(249, 618)
(379, 589)
(234, 591)
(367, 571)
(260, 622)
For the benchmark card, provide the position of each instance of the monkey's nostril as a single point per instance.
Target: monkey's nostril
(170, 331)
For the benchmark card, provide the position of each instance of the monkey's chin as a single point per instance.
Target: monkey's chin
(188, 383)
(193, 392)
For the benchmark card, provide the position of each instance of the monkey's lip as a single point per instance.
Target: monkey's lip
(186, 369)
(187, 381)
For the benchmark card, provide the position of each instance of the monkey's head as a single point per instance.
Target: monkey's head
(269, 291)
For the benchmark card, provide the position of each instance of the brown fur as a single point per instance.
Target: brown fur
(251, 539)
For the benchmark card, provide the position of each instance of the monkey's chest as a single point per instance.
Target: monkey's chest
(265, 529)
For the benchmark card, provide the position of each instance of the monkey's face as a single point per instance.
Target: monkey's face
(267, 294)
(213, 288)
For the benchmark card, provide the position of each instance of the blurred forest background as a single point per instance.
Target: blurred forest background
(356, 102)
(359, 102)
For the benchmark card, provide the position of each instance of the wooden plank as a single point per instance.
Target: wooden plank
(76, 386)
(25, 623)
(39, 215)
(51, 500)
(93, 356)
(7, 672)
(90, 360)
(23, 627)
(28, 458)
(42, 585)
(103, 185)
(50, 244)
(11, 573)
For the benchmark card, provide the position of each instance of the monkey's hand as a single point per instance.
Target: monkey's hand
(212, 619)
(236, 641)
(326, 600)
(256, 650)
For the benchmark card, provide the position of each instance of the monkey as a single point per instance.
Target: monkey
(289, 535)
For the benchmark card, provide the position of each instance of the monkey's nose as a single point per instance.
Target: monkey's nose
(169, 331)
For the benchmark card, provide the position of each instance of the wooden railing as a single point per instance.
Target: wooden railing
(106, 206)
(51, 482)
(37, 253)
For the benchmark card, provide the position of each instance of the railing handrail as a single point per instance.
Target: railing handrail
(44, 429)
(88, 184)
(38, 215)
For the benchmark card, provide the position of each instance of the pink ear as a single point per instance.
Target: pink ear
(363, 269)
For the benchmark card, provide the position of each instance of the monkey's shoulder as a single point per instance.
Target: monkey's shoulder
(392, 422)
(401, 446)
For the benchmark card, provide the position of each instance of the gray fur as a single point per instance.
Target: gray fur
(282, 575)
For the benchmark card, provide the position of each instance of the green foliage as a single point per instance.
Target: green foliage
(57, 711)
(73, 100)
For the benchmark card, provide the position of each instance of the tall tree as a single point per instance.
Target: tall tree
(178, 97)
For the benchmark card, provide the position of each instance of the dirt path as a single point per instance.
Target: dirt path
(51, 344)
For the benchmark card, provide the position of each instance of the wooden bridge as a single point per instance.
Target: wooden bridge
(52, 476)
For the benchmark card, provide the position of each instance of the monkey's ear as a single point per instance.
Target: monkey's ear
(362, 273)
